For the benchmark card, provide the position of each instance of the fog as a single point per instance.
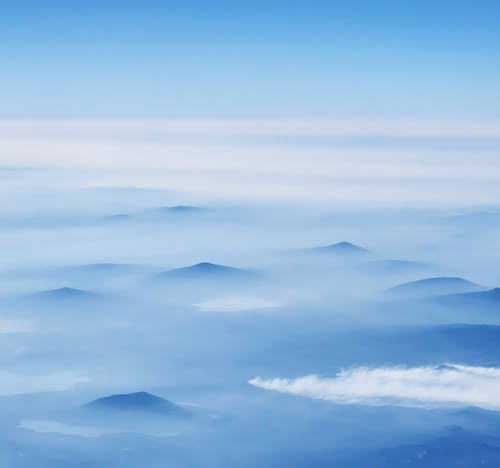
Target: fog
(205, 296)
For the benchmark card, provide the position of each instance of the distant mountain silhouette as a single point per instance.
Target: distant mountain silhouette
(152, 213)
(478, 218)
(205, 270)
(136, 402)
(490, 298)
(457, 448)
(435, 287)
(475, 413)
(340, 249)
(492, 295)
(66, 293)
(181, 209)
(459, 342)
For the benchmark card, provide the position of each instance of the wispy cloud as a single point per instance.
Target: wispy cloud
(416, 386)
(318, 161)
(410, 128)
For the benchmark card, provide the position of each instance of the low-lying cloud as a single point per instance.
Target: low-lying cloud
(416, 386)
(356, 163)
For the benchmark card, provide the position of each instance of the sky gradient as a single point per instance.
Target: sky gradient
(189, 58)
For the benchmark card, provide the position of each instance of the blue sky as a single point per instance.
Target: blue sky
(438, 59)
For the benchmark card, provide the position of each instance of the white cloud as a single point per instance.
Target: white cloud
(207, 159)
(417, 386)
(235, 304)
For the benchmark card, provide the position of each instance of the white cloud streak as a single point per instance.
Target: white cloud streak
(207, 159)
(455, 385)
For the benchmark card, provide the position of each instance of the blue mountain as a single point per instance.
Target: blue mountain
(176, 210)
(66, 293)
(457, 448)
(205, 270)
(136, 402)
(340, 249)
(490, 298)
(435, 287)
(181, 209)
(478, 218)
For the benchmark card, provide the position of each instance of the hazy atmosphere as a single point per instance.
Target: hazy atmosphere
(249, 234)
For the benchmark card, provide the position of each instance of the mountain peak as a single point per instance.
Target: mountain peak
(184, 208)
(204, 270)
(436, 286)
(138, 401)
(341, 248)
(66, 292)
(180, 209)
(207, 266)
(345, 244)
(477, 298)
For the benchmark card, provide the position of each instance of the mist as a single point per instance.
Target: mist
(222, 295)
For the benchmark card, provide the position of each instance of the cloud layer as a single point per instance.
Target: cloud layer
(317, 161)
(417, 386)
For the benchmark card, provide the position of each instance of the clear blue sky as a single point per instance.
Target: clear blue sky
(310, 58)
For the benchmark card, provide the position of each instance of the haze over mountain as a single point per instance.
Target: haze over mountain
(484, 299)
(204, 270)
(485, 218)
(457, 448)
(136, 402)
(249, 234)
(177, 212)
(181, 209)
(343, 251)
(311, 330)
(435, 286)
(66, 294)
